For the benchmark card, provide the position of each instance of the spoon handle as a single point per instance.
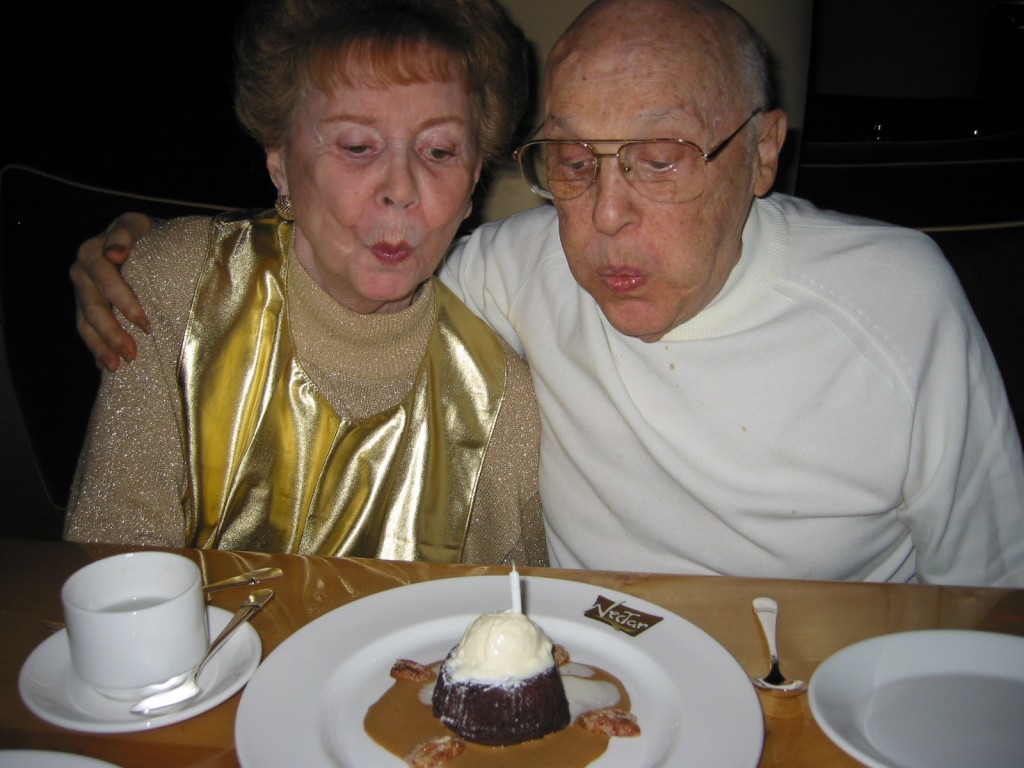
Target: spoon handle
(252, 577)
(254, 602)
(767, 611)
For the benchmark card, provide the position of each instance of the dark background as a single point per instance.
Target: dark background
(915, 110)
(137, 97)
(131, 95)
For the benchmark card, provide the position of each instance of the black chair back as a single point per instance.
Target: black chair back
(43, 218)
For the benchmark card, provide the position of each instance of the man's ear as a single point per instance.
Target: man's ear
(771, 135)
(276, 169)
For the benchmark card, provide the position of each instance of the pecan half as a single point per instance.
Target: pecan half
(561, 655)
(433, 753)
(411, 671)
(609, 722)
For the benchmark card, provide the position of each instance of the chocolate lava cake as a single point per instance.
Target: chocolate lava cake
(500, 685)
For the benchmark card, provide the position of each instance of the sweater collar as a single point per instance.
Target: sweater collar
(762, 260)
(338, 338)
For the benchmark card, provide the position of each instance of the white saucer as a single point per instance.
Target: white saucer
(51, 689)
(38, 758)
(941, 698)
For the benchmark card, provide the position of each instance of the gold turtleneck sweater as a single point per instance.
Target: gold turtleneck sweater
(132, 482)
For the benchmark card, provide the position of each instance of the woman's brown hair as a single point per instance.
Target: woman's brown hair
(286, 46)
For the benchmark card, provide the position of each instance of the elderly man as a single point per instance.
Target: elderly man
(733, 382)
(731, 386)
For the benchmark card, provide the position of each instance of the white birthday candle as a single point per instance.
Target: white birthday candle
(517, 600)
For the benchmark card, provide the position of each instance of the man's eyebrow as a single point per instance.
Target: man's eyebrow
(565, 122)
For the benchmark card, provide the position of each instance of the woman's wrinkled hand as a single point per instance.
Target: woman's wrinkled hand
(96, 276)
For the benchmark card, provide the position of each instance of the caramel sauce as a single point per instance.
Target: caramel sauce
(402, 718)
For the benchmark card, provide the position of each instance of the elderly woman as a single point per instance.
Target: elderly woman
(307, 385)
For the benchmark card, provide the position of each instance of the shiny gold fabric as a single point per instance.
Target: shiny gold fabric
(273, 467)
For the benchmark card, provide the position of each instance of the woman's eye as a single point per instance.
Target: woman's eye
(437, 153)
(357, 149)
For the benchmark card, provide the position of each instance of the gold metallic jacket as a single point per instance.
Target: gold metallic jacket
(272, 467)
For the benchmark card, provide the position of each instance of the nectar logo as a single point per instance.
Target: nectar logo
(624, 619)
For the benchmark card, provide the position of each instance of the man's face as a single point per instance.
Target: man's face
(653, 265)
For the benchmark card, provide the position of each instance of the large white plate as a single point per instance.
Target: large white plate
(928, 699)
(51, 689)
(306, 703)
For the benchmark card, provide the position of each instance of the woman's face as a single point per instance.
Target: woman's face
(380, 179)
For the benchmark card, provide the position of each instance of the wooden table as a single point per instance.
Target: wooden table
(817, 619)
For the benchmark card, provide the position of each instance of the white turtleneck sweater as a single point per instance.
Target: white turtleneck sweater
(835, 413)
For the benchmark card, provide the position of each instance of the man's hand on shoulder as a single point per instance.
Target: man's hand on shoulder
(98, 284)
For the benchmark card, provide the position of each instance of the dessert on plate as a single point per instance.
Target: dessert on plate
(505, 684)
(500, 685)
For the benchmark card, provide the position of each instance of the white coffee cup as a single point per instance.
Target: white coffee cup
(136, 622)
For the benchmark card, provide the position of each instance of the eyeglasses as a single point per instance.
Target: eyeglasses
(664, 170)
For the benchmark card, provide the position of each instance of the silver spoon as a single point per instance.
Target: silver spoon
(767, 611)
(179, 696)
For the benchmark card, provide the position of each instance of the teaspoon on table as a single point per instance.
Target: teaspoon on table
(169, 701)
(767, 611)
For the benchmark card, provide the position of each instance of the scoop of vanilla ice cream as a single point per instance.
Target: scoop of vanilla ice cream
(504, 645)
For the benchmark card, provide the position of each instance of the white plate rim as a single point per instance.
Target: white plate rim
(49, 664)
(311, 665)
(42, 758)
(832, 685)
